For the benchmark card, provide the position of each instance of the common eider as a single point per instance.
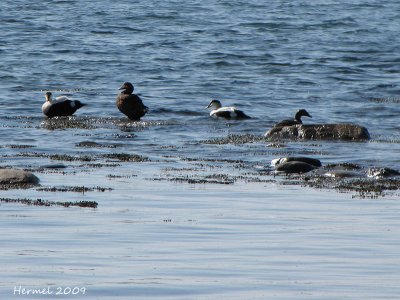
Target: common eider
(130, 104)
(61, 106)
(227, 112)
(295, 121)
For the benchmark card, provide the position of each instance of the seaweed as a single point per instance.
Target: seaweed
(40, 202)
(126, 157)
(235, 139)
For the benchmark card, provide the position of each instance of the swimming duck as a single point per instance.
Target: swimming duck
(227, 112)
(295, 121)
(61, 106)
(130, 104)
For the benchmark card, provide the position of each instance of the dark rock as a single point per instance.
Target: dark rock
(312, 161)
(343, 166)
(53, 166)
(294, 167)
(320, 132)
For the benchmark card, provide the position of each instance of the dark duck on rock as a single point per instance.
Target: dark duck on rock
(61, 106)
(295, 121)
(227, 112)
(130, 104)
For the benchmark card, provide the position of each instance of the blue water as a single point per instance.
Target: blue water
(337, 59)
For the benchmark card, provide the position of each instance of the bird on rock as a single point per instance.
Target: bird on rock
(61, 106)
(295, 121)
(130, 104)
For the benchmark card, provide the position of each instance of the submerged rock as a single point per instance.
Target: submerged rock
(53, 166)
(294, 167)
(17, 177)
(320, 132)
(312, 161)
(342, 174)
(343, 170)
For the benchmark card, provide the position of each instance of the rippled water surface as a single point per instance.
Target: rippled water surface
(159, 231)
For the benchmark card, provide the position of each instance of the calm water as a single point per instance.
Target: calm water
(157, 239)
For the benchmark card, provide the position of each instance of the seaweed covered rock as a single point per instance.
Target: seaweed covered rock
(17, 178)
(343, 170)
(320, 132)
(382, 172)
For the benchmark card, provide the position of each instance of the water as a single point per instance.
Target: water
(153, 238)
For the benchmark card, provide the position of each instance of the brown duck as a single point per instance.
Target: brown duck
(130, 104)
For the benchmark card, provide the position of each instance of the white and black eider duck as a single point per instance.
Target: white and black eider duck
(295, 121)
(227, 112)
(61, 106)
(130, 104)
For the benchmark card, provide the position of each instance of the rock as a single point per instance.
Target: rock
(53, 166)
(17, 177)
(320, 132)
(294, 167)
(342, 174)
(382, 172)
(312, 161)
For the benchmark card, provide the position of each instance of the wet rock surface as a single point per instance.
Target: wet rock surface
(14, 178)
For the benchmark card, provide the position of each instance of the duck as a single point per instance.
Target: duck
(61, 106)
(227, 112)
(295, 121)
(130, 104)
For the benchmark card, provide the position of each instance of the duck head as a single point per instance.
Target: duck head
(301, 113)
(215, 104)
(48, 96)
(126, 88)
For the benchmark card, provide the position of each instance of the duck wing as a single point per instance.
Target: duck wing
(286, 123)
(131, 106)
(241, 115)
(61, 99)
